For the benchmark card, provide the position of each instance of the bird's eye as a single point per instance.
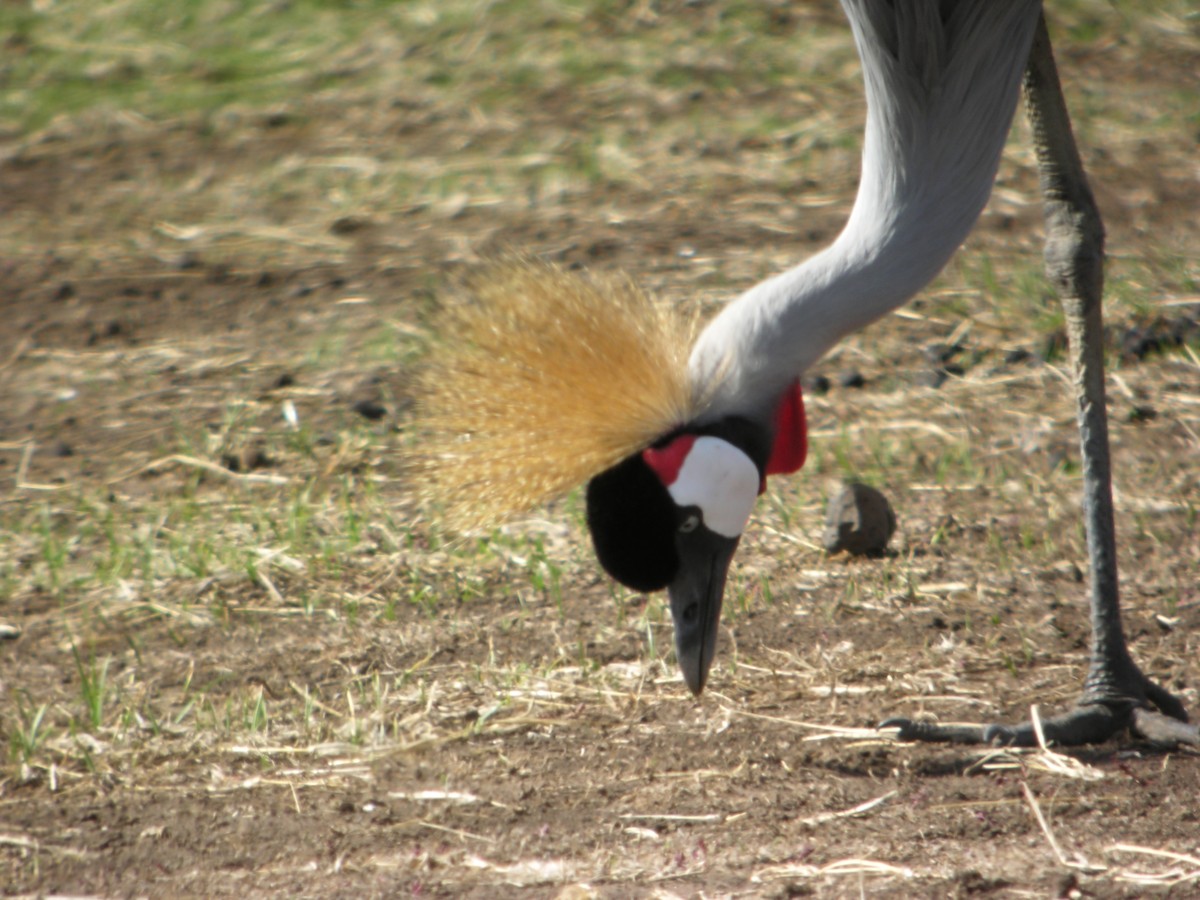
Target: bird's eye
(689, 524)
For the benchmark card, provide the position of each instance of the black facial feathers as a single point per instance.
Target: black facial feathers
(633, 520)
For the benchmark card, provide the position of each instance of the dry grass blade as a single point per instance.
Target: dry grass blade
(526, 873)
(1078, 862)
(839, 868)
(543, 379)
(22, 482)
(1055, 763)
(848, 813)
(1188, 872)
(1039, 759)
(29, 844)
(192, 462)
(825, 731)
(667, 817)
(457, 832)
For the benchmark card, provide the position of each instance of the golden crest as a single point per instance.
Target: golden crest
(541, 379)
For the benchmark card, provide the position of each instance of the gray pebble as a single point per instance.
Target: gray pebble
(859, 520)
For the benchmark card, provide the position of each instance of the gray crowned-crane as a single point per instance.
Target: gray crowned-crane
(551, 380)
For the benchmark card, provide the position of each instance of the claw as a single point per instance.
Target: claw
(1005, 736)
(1092, 723)
(933, 733)
(1164, 731)
(1165, 702)
(907, 729)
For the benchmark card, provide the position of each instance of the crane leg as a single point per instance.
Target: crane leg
(1116, 695)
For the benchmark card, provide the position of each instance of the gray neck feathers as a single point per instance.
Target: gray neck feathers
(941, 81)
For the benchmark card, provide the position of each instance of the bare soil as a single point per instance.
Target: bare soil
(506, 740)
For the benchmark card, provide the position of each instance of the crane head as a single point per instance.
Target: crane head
(671, 517)
(551, 378)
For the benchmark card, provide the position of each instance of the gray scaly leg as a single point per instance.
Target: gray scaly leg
(1116, 694)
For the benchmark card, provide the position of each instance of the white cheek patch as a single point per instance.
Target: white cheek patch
(722, 481)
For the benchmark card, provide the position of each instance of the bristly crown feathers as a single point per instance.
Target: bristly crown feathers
(540, 380)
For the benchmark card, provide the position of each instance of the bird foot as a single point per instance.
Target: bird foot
(1157, 717)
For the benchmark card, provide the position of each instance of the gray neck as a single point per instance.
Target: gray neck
(940, 99)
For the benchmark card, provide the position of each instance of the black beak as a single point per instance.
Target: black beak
(696, 593)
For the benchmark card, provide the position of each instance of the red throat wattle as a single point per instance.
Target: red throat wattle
(787, 453)
(791, 435)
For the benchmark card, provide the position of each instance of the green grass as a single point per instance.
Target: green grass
(169, 59)
(163, 60)
(28, 732)
(93, 686)
(702, 102)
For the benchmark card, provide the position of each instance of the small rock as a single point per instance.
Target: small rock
(577, 892)
(370, 409)
(1139, 343)
(931, 378)
(277, 118)
(186, 261)
(344, 225)
(9, 632)
(247, 460)
(938, 353)
(815, 385)
(1064, 570)
(1181, 329)
(859, 520)
(1166, 623)
(1068, 887)
(1069, 570)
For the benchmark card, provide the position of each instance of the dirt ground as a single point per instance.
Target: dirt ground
(290, 711)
